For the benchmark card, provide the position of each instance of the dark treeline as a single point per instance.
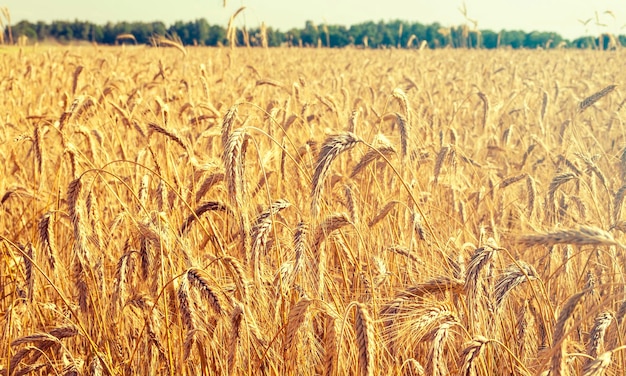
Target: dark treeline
(367, 34)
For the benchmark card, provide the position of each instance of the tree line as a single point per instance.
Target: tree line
(367, 34)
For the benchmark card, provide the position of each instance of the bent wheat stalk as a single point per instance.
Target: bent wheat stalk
(585, 235)
(332, 147)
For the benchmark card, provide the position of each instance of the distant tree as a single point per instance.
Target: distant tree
(395, 33)
(42, 29)
(25, 28)
(108, 33)
(310, 34)
(513, 39)
(338, 36)
(217, 35)
(141, 31)
(584, 43)
(433, 37)
(181, 30)
(489, 39)
(293, 37)
(361, 31)
(275, 37)
(62, 31)
(80, 30)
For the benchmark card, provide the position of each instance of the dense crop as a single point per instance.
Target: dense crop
(254, 211)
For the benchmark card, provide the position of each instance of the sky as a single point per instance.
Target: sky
(565, 17)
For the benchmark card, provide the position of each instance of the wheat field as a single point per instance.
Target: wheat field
(312, 212)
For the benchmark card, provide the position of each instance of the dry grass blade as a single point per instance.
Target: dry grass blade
(585, 235)
(332, 147)
(270, 82)
(330, 345)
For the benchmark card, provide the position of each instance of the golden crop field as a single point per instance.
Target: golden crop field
(312, 211)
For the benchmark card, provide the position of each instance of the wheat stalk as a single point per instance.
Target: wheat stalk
(563, 326)
(593, 98)
(599, 365)
(296, 317)
(365, 340)
(206, 290)
(471, 353)
(596, 336)
(513, 276)
(200, 210)
(382, 147)
(585, 235)
(46, 237)
(332, 147)
(260, 231)
(235, 319)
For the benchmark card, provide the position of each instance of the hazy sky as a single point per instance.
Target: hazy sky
(561, 16)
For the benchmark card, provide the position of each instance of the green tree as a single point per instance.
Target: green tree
(489, 39)
(24, 28)
(513, 39)
(310, 34)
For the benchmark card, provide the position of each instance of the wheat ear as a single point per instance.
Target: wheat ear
(332, 147)
(471, 353)
(563, 325)
(365, 340)
(585, 235)
(593, 98)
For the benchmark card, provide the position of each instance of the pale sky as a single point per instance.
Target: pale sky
(561, 16)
